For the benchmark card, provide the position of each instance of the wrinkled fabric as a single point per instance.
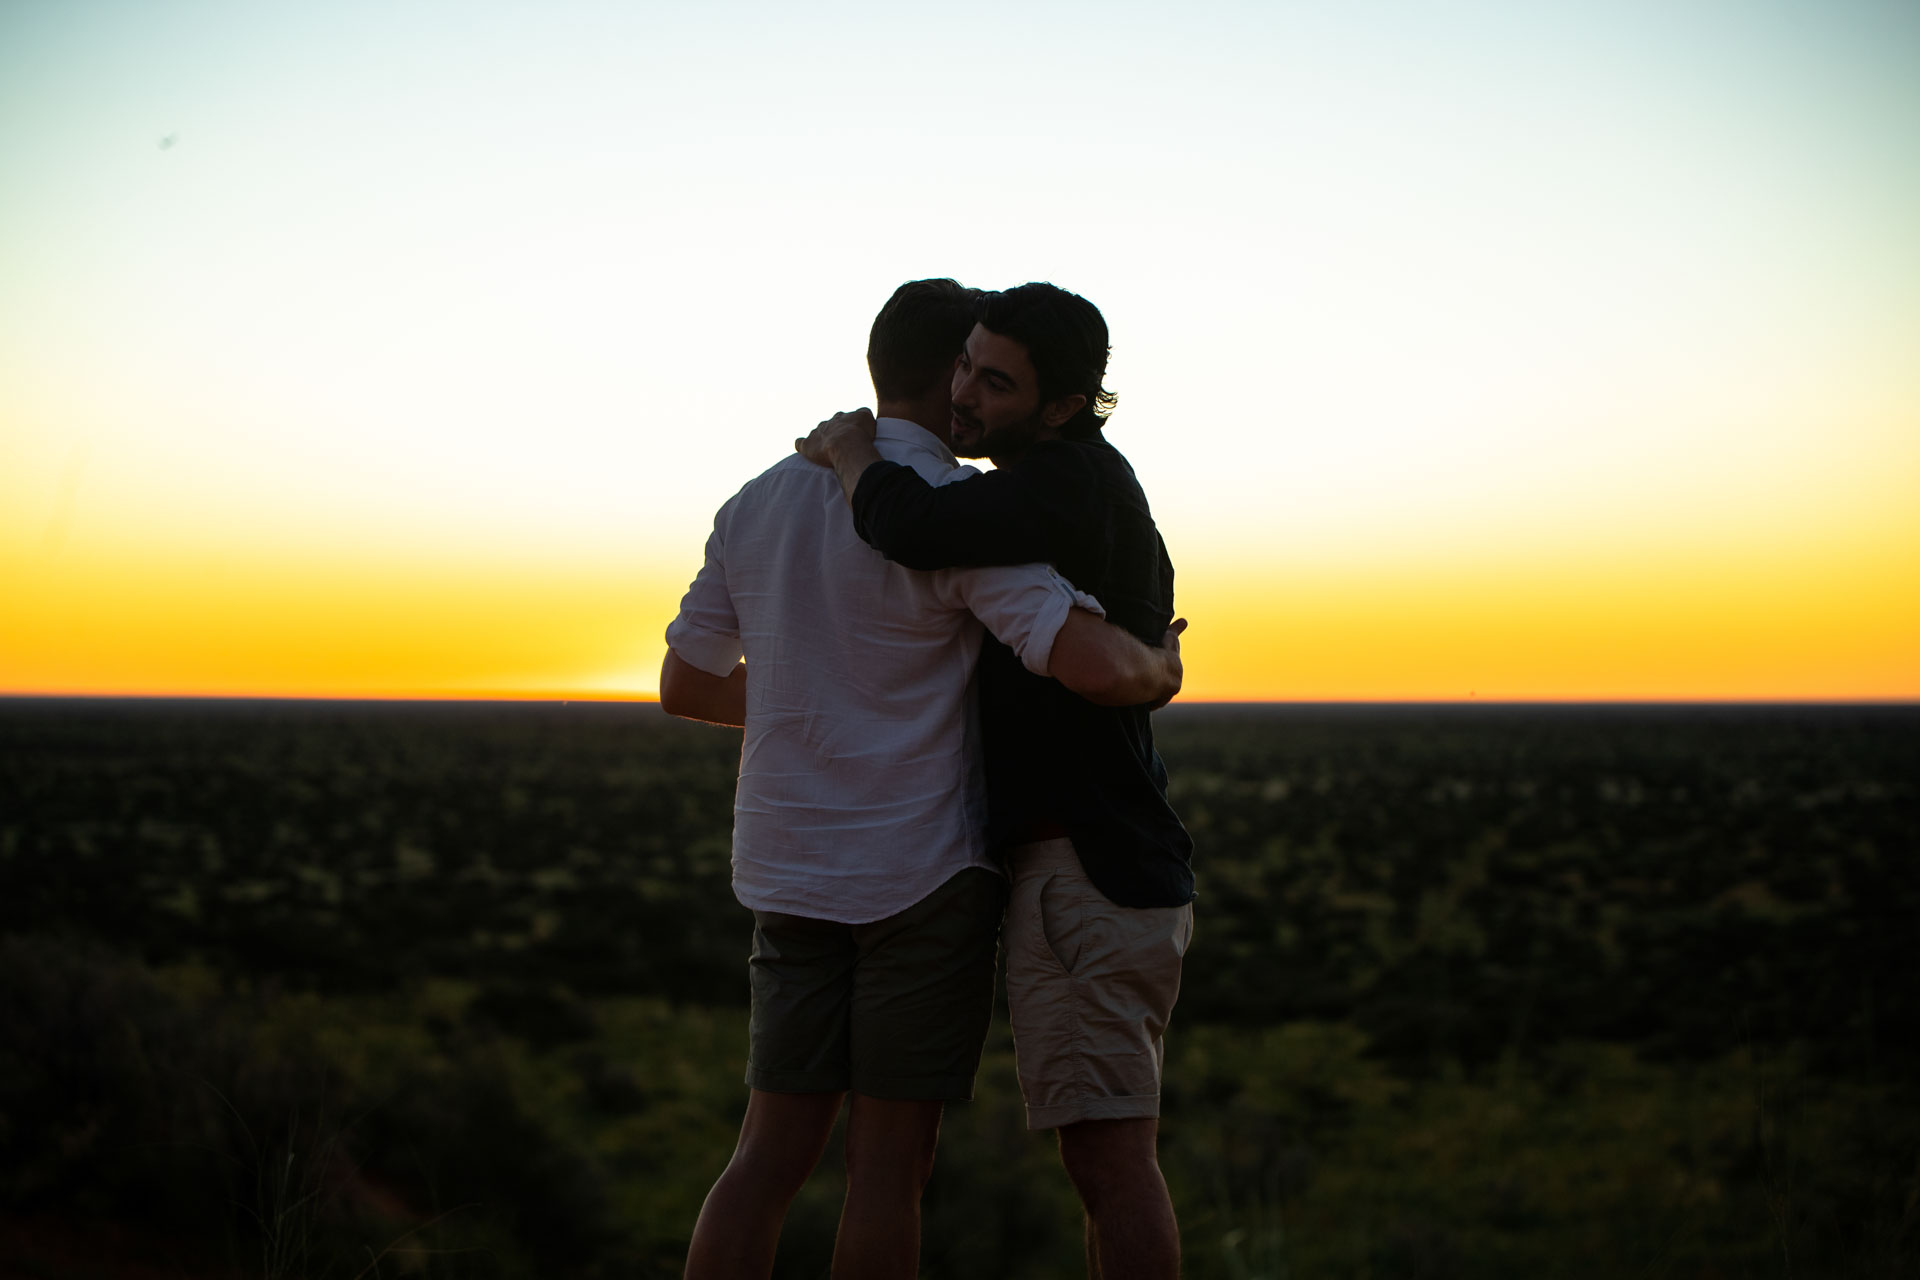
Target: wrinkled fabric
(861, 787)
(1090, 988)
(1054, 757)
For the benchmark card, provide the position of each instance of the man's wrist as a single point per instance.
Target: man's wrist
(850, 463)
(1172, 675)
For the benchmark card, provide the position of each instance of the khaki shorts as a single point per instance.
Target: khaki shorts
(1090, 987)
(893, 1009)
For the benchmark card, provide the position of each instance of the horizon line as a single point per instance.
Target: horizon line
(602, 696)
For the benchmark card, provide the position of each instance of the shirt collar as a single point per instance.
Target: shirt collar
(915, 435)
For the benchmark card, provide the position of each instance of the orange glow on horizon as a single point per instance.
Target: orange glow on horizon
(337, 695)
(1687, 629)
(182, 622)
(1694, 631)
(1815, 610)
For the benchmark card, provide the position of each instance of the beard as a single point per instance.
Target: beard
(1008, 440)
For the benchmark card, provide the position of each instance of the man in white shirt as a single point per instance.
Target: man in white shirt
(859, 821)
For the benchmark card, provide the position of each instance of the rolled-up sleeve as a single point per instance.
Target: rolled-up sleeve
(1023, 605)
(706, 631)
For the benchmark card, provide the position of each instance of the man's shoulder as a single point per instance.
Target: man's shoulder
(1094, 452)
(792, 479)
(792, 470)
(1090, 466)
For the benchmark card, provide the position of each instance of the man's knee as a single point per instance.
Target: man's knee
(781, 1139)
(769, 1169)
(1110, 1161)
(907, 1169)
(891, 1141)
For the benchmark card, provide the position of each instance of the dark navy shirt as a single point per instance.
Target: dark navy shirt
(1053, 758)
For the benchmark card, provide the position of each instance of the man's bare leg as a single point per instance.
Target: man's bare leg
(1131, 1231)
(890, 1147)
(780, 1141)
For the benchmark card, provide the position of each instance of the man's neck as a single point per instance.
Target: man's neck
(934, 419)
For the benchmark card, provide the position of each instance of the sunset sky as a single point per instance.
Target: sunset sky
(1486, 350)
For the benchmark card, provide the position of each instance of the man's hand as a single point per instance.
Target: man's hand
(852, 427)
(1170, 662)
(845, 443)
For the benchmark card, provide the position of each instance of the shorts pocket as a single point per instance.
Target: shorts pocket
(1063, 920)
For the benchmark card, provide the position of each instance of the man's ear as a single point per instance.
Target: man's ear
(1059, 412)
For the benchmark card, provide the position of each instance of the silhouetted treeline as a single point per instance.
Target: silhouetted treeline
(352, 846)
(1459, 881)
(305, 989)
(1463, 881)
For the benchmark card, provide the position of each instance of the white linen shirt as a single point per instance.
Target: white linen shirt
(861, 787)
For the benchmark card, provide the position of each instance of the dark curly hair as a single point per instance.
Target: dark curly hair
(1065, 337)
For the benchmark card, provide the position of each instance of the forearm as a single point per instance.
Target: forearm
(844, 444)
(1111, 667)
(693, 694)
(850, 461)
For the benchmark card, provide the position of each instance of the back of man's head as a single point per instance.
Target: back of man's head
(914, 340)
(1066, 338)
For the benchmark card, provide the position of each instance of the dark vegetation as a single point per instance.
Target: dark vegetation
(357, 989)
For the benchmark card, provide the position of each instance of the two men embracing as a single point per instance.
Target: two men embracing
(946, 690)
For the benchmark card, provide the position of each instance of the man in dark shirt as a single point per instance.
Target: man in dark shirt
(1101, 909)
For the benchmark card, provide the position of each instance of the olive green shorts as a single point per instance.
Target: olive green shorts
(893, 1009)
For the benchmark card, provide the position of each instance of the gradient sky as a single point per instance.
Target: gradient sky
(1493, 350)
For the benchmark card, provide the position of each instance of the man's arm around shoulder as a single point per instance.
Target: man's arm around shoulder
(1014, 515)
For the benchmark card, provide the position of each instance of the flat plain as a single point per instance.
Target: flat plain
(363, 989)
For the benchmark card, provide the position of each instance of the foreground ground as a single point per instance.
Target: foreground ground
(455, 991)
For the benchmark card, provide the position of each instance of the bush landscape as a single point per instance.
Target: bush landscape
(449, 990)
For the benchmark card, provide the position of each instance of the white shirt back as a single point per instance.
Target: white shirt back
(860, 777)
